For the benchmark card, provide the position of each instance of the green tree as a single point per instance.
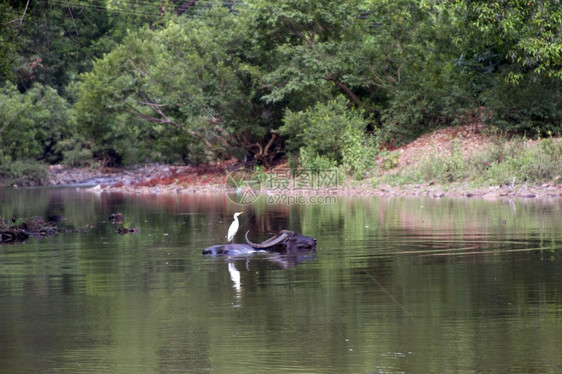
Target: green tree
(513, 53)
(525, 37)
(310, 45)
(12, 16)
(185, 91)
(32, 124)
(393, 59)
(407, 68)
(194, 81)
(58, 40)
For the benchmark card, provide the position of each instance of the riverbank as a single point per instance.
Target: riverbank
(149, 179)
(441, 155)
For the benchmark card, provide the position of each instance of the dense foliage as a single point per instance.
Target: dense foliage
(118, 82)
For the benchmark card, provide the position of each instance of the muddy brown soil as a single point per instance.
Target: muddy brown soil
(158, 178)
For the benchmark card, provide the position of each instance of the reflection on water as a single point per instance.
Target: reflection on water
(397, 285)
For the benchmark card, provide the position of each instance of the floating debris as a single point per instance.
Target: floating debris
(117, 218)
(124, 230)
(56, 218)
(20, 232)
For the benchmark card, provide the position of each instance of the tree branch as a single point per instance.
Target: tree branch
(72, 15)
(293, 28)
(141, 72)
(19, 20)
(269, 143)
(163, 119)
(185, 7)
(345, 89)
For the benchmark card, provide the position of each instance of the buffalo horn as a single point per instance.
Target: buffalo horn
(268, 243)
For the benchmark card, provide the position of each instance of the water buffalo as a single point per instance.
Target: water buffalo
(284, 242)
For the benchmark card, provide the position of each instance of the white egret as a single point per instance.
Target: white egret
(233, 227)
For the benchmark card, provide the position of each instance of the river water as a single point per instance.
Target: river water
(397, 286)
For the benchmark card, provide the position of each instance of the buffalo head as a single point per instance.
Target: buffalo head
(285, 241)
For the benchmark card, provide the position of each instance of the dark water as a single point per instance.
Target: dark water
(397, 286)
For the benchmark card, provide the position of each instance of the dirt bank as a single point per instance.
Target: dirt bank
(172, 179)
(158, 178)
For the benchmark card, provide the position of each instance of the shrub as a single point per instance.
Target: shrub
(313, 134)
(506, 163)
(389, 160)
(22, 172)
(444, 169)
(530, 108)
(75, 153)
(315, 161)
(527, 163)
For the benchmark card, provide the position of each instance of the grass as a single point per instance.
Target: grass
(23, 173)
(503, 163)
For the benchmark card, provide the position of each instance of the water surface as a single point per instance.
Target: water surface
(397, 285)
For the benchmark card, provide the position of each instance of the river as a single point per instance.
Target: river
(398, 285)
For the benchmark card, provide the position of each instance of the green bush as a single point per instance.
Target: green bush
(531, 163)
(329, 135)
(22, 172)
(75, 152)
(504, 163)
(315, 161)
(530, 108)
(444, 169)
(390, 160)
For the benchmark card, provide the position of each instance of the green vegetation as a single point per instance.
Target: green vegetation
(324, 83)
(506, 162)
(311, 133)
(22, 172)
